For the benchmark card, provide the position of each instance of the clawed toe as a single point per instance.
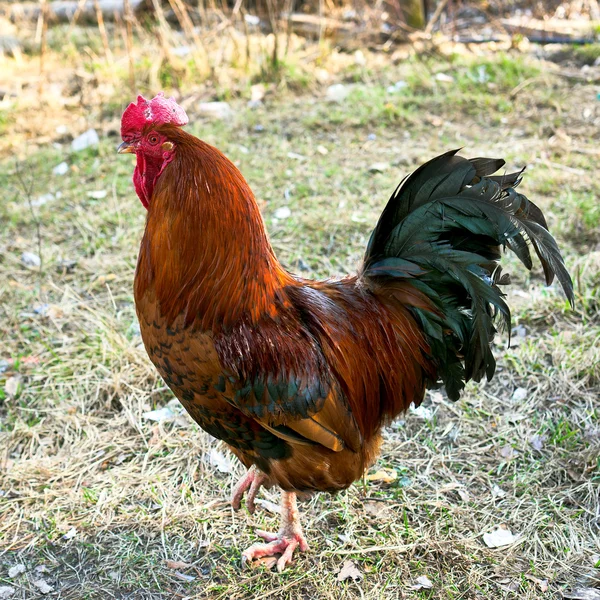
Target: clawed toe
(285, 542)
(277, 545)
(250, 483)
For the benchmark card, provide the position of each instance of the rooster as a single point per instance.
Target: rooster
(298, 377)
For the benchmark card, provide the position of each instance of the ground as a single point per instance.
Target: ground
(98, 501)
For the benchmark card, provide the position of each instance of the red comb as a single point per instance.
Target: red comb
(158, 111)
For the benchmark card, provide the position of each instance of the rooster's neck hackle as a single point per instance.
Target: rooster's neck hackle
(205, 253)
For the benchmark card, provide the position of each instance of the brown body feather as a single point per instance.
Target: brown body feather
(296, 376)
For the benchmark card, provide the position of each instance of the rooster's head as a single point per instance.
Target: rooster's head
(141, 132)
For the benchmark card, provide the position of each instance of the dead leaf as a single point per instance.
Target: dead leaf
(103, 279)
(43, 586)
(349, 571)
(497, 491)
(177, 564)
(582, 594)
(541, 583)
(500, 537)
(374, 508)
(16, 570)
(265, 561)
(537, 441)
(269, 506)
(12, 386)
(183, 576)
(508, 452)
(155, 438)
(70, 534)
(384, 475)
(423, 583)
(512, 585)
(220, 461)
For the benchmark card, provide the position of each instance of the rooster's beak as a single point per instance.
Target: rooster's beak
(126, 148)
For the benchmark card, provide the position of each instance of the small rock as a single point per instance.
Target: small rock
(423, 583)
(167, 413)
(66, 265)
(502, 536)
(349, 571)
(60, 169)
(43, 199)
(508, 452)
(215, 110)
(257, 92)
(12, 386)
(16, 570)
(519, 395)
(337, 92)
(181, 50)
(282, 213)
(6, 592)
(582, 594)
(444, 78)
(379, 167)
(296, 156)
(87, 139)
(537, 441)
(497, 491)
(359, 58)
(29, 259)
(97, 194)
(252, 19)
(322, 75)
(300, 263)
(322, 150)
(422, 411)
(62, 129)
(43, 586)
(259, 128)
(70, 534)
(372, 137)
(399, 85)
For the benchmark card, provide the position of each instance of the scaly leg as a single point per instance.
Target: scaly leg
(289, 538)
(251, 481)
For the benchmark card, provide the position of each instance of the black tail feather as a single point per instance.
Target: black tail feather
(442, 230)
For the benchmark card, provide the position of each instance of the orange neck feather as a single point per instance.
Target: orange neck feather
(205, 253)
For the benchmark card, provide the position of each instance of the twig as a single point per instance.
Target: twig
(164, 31)
(75, 18)
(43, 40)
(289, 28)
(27, 189)
(436, 15)
(128, 18)
(275, 30)
(102, 29)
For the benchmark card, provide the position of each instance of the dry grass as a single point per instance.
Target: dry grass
(76, 452)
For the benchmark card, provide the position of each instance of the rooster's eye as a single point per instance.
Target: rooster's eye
(153, 139)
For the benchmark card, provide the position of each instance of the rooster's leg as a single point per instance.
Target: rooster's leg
(251, 482)
(289, 538)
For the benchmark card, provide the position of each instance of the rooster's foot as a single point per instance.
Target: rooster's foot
(250, 482)
(289, 538)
